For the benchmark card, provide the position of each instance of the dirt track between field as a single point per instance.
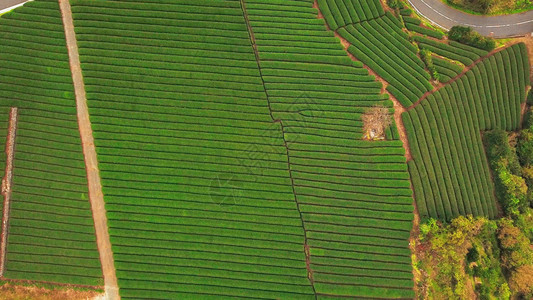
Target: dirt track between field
(96, 197)
(6, 184)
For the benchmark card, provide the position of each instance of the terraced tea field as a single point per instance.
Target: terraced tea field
(229, 143)
(445, 135)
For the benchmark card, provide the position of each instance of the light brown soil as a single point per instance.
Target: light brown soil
(10, 291)
(398, 110)
(96, 197)
(523, 109)
(6, 183)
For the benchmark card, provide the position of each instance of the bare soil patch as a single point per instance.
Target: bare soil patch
(523, 109)
(11, 291)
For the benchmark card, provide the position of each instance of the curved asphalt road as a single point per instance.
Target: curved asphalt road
(4, 4)
(445, 17)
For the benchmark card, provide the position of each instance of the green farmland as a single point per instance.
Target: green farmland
(51, 234)
(445, 135)
(230, 144)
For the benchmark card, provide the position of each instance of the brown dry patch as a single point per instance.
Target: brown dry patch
(10, 291)
(523, 109)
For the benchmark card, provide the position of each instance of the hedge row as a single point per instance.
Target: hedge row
(339, 13)
(411, 20)
(425, 31)
(449, 169)
(446, 69)
(452, 52)
(51, 236)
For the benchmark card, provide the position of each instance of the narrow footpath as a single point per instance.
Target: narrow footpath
(6, 184)
(91, 164)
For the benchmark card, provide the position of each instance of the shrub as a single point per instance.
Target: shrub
(394, 4)
(467, 35)
(428, 60)
(510, 187)
(528, 119)
(525, 147)
(512, 190)
(425, 31)
(406, 12)
(411, 20)
(521, 281)
(497, 145)
(514, 244)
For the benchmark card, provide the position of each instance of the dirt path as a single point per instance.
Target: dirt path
(6, 184)
(91, 164)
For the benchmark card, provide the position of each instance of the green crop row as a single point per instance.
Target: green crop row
(467, 57)
(339, 13)
(411, 20)
(447, 69)
(425, 31)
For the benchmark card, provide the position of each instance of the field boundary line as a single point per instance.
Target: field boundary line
(6, 184)
(256, 53)
(96, 196)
